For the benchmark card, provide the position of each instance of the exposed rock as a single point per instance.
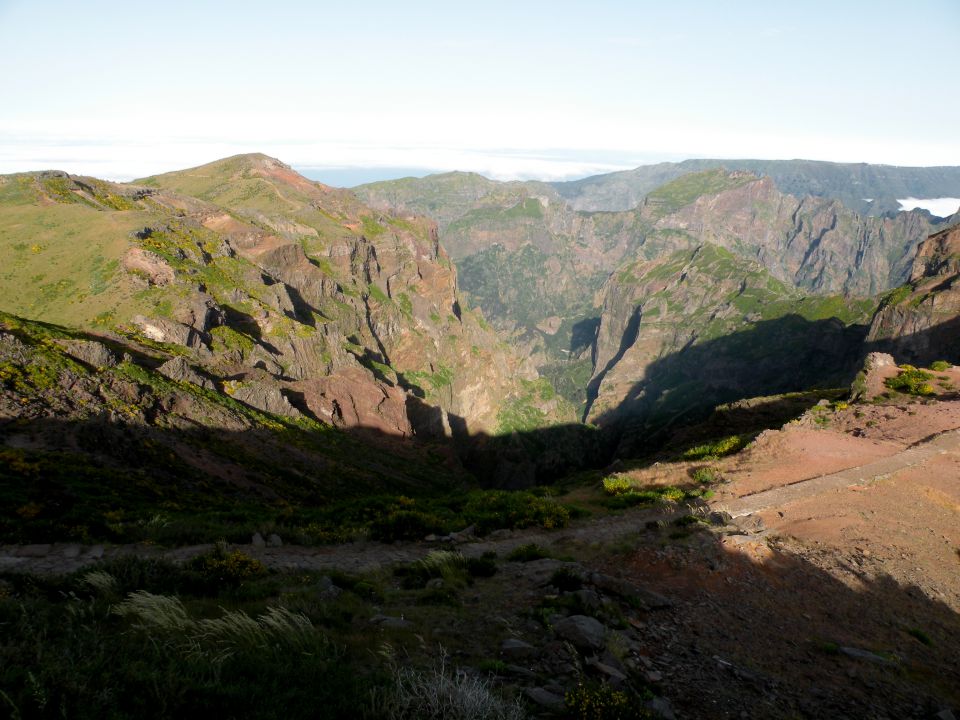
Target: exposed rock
(386, 621)
(859, 654)
(91, 352)
(919, 322)
(662, 707)
(352, 397)
(514, 649)
(150, 266)
(586, 633)
(544, 698)
(169, 331)
(629, 591)
(273, 540)
(262, 396)
(257, 541)
(179, 369)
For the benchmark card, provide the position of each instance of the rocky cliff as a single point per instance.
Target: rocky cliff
(919, 322)
(294, 297)
(698, 327)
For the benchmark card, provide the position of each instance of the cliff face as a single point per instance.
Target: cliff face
(919, 322)
(814, 243)
(289, 294)
(682, 333)
(528, 260)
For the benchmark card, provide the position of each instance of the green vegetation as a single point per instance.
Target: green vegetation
(527, 553)
(687, 188)
(911, 381)
(940, 366)
(718, 448)
(598, 701)
(138, 638)
(623, 491)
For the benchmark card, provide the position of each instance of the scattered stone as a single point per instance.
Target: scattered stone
(465, 535)
(653, 676)
(628, 591)
(613, 676)
(720, 517)
(327, 590)
(514, 649)
(945, 715)
(662, 707)
(257, 541)
(386, 621)
(544, 698)
(586, 633)
(274, 540)
(859, 654)
(434, 583)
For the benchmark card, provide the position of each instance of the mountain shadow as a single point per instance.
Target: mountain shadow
(772, 357)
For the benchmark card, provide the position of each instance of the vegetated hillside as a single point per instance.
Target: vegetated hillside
(919, 322)
(107, 438)
(698, 327)
(867, 189)
(294, 297)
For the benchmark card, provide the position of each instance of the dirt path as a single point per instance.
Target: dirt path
(862, 475)
(358, 556)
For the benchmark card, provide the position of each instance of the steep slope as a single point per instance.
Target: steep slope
(868, 189)
(532, 263)
(919, 322)
(292, 295)
(687, 331)
(813, 243)
(103, 438)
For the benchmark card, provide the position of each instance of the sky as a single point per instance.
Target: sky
(551, 90)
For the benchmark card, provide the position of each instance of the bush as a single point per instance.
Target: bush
(617, 485)
(705, 475)
(494, 509)
(405, 525)
(527, 553)
(442, 693)
(911, 381)
(227, 568)
(601, 702)
(566, 580)
(716, 449)
(940, 365)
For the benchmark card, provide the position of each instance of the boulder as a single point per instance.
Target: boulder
(514, 649)
(585, 633)
(91, 352)
(179, 369)
(262, 396)
(544, 698)
(149, 266)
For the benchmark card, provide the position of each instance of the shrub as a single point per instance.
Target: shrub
(566, 580)
(940, 365)
(404, 525)
(493, 509)
(527, 553)
(911, 381)
(716, 449)
(705, 475)
(601, 702)
(485, 566)
(442, 693)
(617, 485)
(445, 564)
(227, 568)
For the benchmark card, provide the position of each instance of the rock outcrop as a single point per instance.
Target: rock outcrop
(919, 322)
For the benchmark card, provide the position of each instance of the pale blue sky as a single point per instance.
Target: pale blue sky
(534, 89)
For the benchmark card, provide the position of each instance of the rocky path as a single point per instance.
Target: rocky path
(361, 556)
(916, 454)
(357, 556)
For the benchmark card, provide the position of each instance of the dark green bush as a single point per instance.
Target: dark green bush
(527, 553)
